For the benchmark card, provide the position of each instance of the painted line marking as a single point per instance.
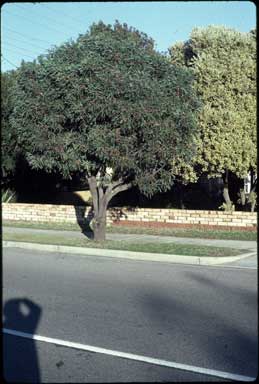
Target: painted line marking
(131, 356)
(237, 267)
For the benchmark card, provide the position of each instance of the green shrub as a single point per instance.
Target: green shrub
(8, 196)
(227, 207)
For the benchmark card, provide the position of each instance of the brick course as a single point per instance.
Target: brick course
(132, 216)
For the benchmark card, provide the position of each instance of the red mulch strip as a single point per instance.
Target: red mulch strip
(155, 224)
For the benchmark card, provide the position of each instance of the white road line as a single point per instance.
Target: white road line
(131, 356)
(238, 267)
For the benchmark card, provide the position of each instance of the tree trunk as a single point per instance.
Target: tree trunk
(225, 189)
(100, 204)
(242, 197)
(253, 204)
(99, 228)
(99, 221)
(253, 195)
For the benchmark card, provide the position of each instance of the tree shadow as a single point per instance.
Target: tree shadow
(116, 214)
(248, 298)
(84, 221)
(220, 339)
(20, 354)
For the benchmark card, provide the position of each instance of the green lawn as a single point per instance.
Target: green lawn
(168, 248)
(224, 234)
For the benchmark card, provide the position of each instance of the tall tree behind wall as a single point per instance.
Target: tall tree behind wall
(224, 64)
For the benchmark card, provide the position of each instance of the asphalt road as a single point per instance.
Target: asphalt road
(200, 316)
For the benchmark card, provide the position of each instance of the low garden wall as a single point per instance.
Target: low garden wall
(131, 216)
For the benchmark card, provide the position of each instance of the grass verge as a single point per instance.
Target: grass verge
(167, 248)
(201, 233)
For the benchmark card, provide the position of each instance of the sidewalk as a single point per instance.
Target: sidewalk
(249, 259)
(251, 245)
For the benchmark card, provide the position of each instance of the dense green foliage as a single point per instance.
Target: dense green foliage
(109, 106)
(106, 100)
(9, 145)
(224, 65)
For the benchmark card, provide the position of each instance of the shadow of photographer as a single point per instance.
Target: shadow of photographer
(20, 354)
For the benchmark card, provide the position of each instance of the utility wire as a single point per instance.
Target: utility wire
(22, 48)
(65, 14)
(13, 51)
(29, 38)
(24, 42)
(34, 22)
(8, 61)
(49, 18)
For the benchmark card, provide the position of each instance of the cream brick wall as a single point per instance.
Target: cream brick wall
(67, 214)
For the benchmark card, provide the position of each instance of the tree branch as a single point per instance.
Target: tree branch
(112, 185)
(116, 190)
(100, 192)
(93, 189)
(116, 183)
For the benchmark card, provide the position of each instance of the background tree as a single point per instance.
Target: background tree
(109, 106)
(224, 65)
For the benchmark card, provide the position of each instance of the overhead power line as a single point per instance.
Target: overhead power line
(22, 48)
(35, 22)
(27, 37)
(14, 51)
(48, 18)
(24, 42)
(8, 61)
(63, 13)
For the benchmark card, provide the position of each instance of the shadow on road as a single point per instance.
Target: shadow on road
(226, 339)
(20, 354)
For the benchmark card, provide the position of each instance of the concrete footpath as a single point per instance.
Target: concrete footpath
(247, 259)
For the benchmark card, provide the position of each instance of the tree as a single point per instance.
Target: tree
(224, 65)
(8, 134)
(109, 106)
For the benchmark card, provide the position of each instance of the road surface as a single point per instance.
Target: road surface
(192, 315)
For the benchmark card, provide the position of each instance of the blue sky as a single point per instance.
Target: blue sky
(28, 29)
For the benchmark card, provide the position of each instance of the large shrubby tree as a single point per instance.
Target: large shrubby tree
(109, 106)
(224, 65)
(9, 142)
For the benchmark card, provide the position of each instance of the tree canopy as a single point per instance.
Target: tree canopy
(9, 140)
(223, 62)
(109, 106)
